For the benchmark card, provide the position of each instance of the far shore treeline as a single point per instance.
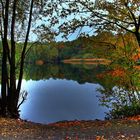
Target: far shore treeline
(102, 45)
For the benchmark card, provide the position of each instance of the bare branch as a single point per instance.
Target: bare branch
(24, 97)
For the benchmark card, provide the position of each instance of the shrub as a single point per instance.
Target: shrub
(124, 111)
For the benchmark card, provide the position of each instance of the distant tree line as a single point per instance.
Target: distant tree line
(102, 45)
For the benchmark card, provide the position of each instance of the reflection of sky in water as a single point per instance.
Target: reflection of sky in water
(56, 100)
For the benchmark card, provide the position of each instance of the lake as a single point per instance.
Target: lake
(62, 92)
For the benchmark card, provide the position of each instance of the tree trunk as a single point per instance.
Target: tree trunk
(137, 31)
(12, 105)
(4, 76)
(24, 49)
(137, 34)
(4, 81)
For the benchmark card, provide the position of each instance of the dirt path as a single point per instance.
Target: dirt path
(77, 130)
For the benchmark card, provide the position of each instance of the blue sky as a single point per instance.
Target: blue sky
(72, 36)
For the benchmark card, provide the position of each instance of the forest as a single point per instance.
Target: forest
(103, 45)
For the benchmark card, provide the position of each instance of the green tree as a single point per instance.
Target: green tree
(9, 91)
(52, 53)
(15, 24)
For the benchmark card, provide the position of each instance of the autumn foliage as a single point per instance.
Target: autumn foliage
(118, 72)
(134, 118)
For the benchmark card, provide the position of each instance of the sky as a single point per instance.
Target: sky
(73, 36)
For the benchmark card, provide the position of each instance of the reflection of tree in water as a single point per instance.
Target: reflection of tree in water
(121, 94)
(79, 73)
(119, 91)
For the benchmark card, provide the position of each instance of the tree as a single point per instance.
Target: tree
(116, 15)
(15, 25)
(122, 15)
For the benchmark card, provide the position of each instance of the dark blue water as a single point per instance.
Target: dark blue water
(57, 99)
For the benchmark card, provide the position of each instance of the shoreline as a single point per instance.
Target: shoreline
(122, 129)
(87, 61)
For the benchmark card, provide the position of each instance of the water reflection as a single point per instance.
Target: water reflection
(64, 93)
(55, 100)
(69, 92)
(80, 73)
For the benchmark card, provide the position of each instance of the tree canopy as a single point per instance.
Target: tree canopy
(99, 15)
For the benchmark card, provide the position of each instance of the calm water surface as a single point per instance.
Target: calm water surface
(62, 92)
